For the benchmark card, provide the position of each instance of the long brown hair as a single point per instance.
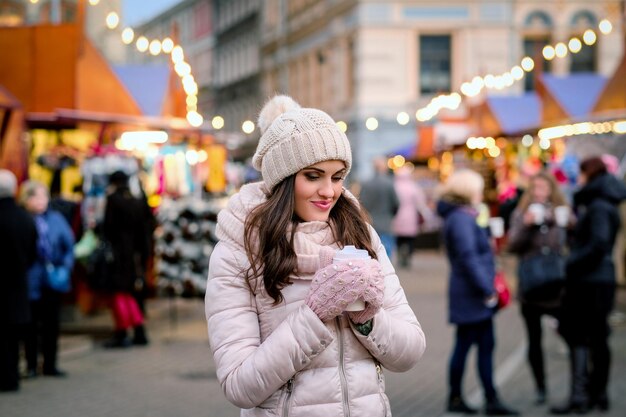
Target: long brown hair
(556, 197)
(270, 250)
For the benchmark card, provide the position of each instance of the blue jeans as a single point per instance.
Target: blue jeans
(389, 242)
(482, 334)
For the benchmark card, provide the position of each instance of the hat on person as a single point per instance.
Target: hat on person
(293, 138)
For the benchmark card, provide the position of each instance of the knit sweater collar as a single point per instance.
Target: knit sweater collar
(308, 239)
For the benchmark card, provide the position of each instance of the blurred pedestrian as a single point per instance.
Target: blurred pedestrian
(282, 334)
(471, 294)
(55, 249)
(590, 287)
(18, 249)
(126, 228)
(412, 214)
(378, 197)
(534, 233)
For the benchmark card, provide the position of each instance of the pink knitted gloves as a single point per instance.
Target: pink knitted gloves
(336, 286)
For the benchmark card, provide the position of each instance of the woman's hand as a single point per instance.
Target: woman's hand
(373, 294)
(336, 286)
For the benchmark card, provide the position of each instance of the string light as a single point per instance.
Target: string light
(127, 36)
(217, 122)
(155, 47)
(560, 50)
(371, 123)
(92, 2)
(575, 45)
(403, 118)
(247, 127)
(142, 44)
(167, 45)
(605, 27)
(528, 64)
(112, 20)
(342, 126)
(589, 37)
(548, 52)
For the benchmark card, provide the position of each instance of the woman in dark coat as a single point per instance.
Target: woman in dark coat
(590, 287)
(125, 229)
(471, 293)
(529, 236)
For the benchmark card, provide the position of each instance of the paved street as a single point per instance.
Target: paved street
(174, 376)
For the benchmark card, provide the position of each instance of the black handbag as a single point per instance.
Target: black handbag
(542, 276)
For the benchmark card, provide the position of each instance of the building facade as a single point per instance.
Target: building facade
(361, 59)
(190, 24)
(237, 64)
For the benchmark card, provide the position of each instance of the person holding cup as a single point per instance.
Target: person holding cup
(533, 230)
(283, 328)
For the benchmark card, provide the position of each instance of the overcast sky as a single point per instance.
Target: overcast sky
(138, 11)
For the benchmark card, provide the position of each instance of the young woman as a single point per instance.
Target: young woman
(471, 294)
(281, 337)
(528, 236)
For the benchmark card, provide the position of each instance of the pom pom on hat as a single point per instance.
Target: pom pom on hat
(273, 109)
(293, 138)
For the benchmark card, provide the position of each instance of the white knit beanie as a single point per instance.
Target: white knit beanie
(293, 138)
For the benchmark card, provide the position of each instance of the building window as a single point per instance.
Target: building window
(533, 47)
(537, 34)
(585, 60)
(435, 63)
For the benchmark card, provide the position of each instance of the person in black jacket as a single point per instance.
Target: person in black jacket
(18, 249)
(590, 287)
(125, 228)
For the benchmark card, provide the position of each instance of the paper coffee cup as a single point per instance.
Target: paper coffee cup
(347, 254)
(496, 226)
(561, 216)
(539, 212)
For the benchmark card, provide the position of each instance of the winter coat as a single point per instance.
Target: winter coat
(18, 249)
(472, 267)
(61, 241)
(282, 359)
(591, 256)
(378, 196)
(406, 222)
(126, 227)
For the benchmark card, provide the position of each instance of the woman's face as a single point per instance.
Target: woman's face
(38, 202)
(317, 189)
(541, 190)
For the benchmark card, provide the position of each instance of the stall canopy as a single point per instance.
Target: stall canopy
(613, 97)
(147, 84)
(568, 97)
(506, 115)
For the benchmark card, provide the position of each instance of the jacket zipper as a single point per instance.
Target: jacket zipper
(287, 398)
(342, 371)
(379, 373)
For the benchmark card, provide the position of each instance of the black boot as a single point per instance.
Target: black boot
(457, 405)
(119, 340)
(579, 398)
(140, 337)
(541, 396)
(495, 408)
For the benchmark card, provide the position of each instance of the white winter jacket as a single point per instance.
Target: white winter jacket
(282, 360)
